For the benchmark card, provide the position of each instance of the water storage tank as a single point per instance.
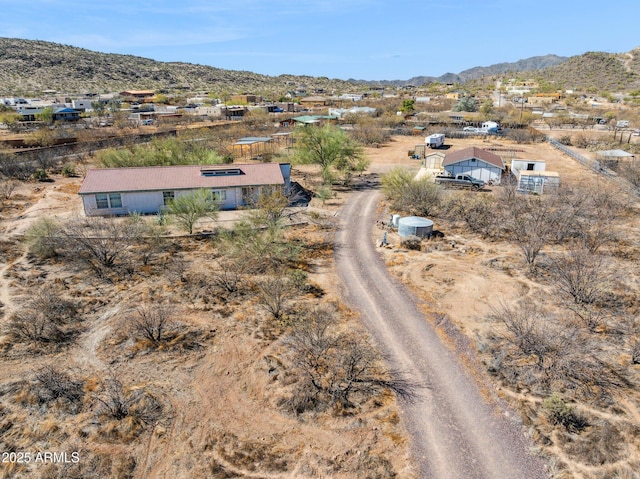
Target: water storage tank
(415, 226)
(394, 220)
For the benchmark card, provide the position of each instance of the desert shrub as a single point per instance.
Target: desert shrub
(558, 412)
(580, 275)
(565, 140)
(151, 322)
(103, 244)
(580, 140)
(336, 369)
(55, 385)
(43, 237)
(115, 401)
(411, 242)
(68, 170)
(415, 196)
(7, 187)
(479, 212)
(19, 168)
(45, 319)
(603, 443)
(524, 136)
(539, 353)
(40, 175)
(275, 292)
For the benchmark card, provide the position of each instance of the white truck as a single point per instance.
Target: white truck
(435, 141)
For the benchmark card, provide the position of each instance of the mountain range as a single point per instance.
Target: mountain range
(29, 67)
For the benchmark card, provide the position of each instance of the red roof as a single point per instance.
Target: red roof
(154, 178)
(473, 152)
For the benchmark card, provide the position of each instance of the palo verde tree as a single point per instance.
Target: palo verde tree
(187, 209)
(330, 148)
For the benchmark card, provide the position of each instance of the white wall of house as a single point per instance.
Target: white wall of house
(152, 202)
(478, 169)
(82, 104)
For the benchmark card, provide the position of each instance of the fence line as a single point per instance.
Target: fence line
(595, 166)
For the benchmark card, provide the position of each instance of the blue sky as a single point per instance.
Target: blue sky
(361, 39)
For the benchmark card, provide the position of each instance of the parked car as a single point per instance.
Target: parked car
(469, 128)
(147, 122)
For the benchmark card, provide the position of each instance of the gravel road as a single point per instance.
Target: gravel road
(456, 431)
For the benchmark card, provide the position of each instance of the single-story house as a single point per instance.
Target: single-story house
(148, 190)
(475, 162)
(58, 114)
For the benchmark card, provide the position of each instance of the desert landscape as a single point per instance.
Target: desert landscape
(216, 388)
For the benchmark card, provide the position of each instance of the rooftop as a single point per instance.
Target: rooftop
(186, 177)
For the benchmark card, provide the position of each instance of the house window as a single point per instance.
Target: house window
(473, 160)
(218, 195)
(106, 201)
(530, 166)
(168, 197)
(102, 201)
(115, 200)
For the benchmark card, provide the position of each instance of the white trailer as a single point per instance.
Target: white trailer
(435, 141)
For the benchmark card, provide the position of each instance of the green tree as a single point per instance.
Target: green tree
(45, 116)
(269, 212)
(466, 103)
(408, 106)
(190, 207)
(328, 147)
(415, 196)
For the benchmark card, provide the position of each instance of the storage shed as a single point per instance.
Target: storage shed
(415, 226)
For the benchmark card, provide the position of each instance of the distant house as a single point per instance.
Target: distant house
(244, 98)
(148, 190)
(59, 114)
(314, 101)
(475, 162)
(137, 94)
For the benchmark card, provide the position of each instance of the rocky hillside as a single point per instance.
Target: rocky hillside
(597, 72)
(29, 67)
(528, 64)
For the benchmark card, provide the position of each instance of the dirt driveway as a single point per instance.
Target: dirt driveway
(457, 429)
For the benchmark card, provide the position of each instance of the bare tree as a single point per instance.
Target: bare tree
(114, 400)
(7, 187)
(337, 369)
(46, 318)
(276, 291)
(151, 322)
(581, 275)
(53, 384)
(102, 242)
